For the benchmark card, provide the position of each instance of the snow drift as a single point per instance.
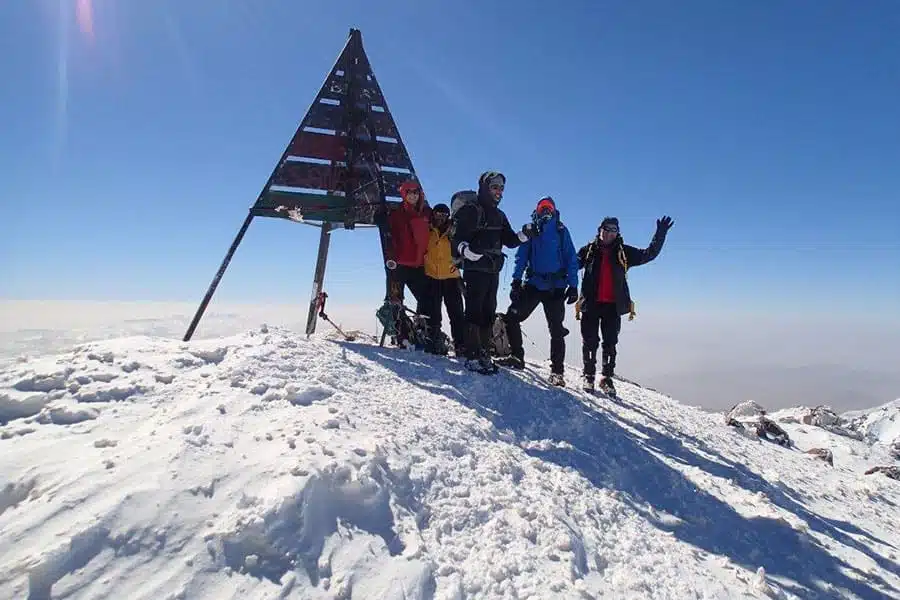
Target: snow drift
(266, 465)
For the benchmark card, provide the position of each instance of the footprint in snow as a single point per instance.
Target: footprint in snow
(305, 397)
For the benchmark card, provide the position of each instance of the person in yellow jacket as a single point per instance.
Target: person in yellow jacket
(445, 284)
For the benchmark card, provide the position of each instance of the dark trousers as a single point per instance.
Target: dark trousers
(415, 279)
(481, 306)
(553, 302)
(449, 293)
(601, 321)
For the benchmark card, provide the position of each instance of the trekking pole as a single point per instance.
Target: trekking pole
(320, 304)
(530, 341)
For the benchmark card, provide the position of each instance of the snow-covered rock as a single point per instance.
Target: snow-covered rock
(879, 425)
(818, 416)
(266, 465)
(750, 417)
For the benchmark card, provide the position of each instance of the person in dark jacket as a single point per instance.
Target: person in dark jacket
(550, 266)
(605, 296)
(480, 231)
(409, 226)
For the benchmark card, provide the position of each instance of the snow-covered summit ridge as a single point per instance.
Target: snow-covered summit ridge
(266, 465)
(877, 426)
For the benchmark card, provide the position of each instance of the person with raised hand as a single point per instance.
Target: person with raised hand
(605, 296)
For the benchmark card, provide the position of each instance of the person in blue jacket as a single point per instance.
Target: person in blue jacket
(549, 264)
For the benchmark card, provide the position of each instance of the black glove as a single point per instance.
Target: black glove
(515, 290)
(571, 294)
(663, 225)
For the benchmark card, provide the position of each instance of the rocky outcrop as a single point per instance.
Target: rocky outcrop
(892, 472)
(822, 453)
(749, 416)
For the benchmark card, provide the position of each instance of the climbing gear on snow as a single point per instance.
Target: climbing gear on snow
(321, 297)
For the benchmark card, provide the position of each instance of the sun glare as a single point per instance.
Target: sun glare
(85, 14)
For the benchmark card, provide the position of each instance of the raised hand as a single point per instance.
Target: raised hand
(664, 224)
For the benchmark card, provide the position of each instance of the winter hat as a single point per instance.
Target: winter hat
(441, 208)
(409, 186)
(610, 221)
(489, 178)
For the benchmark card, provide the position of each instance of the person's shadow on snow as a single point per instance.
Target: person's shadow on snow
(608, 455)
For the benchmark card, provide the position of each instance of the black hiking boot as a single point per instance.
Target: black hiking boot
(512, 362)
(587, 382)
(607, 387)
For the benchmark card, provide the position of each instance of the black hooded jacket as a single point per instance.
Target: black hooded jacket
(487, 230)
(589, 259)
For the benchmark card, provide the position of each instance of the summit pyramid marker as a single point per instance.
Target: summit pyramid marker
(344, 160)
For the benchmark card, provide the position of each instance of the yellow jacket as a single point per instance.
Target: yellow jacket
(438, 259)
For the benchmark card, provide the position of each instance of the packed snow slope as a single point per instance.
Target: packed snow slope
(267, 465)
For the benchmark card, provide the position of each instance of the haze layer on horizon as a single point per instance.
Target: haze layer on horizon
(710, 359)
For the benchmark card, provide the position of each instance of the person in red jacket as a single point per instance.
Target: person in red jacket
(409, 223)
(605, 296)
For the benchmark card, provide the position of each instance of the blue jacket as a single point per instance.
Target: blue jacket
(550, 258)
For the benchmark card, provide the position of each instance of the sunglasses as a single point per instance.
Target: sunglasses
(496, 186)
(610, 228)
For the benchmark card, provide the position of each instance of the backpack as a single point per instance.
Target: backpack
(405, 330)
(499, 345)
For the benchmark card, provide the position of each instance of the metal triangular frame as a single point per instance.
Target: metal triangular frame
(344, 160)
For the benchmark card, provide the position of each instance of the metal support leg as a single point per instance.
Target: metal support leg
(215, 282)
(318, 277)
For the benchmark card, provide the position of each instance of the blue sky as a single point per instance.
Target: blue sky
(134, 142)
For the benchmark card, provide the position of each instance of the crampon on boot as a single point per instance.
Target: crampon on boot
(607, 387)
(511, 362)
(482, 364)
(487, 364)
(587, 383)
(557, 379)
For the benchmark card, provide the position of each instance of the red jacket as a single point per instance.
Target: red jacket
(409, 232)
(606, 291)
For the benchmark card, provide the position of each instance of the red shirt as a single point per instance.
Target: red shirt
(605, 283)
(409, 233)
